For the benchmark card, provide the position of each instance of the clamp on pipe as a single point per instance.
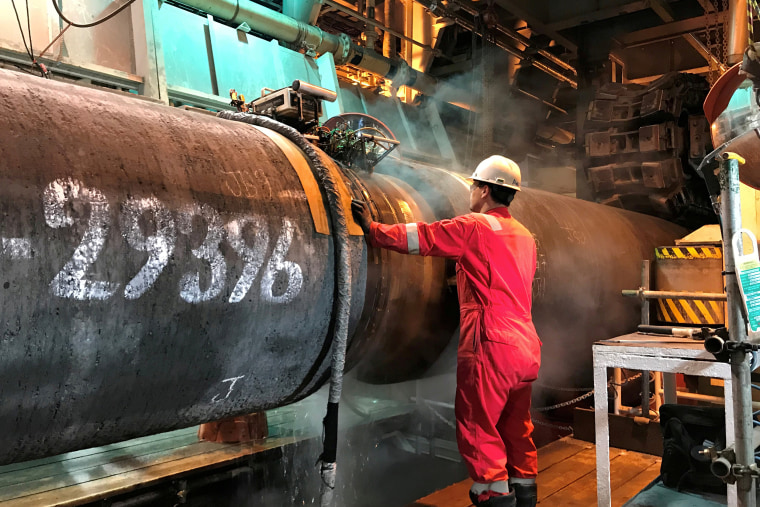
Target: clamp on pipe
(344, 52)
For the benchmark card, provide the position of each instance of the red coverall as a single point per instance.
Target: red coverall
(499, 351)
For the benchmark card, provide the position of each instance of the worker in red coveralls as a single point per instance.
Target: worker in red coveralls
(499, 351)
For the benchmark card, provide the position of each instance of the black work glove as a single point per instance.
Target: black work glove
(361, 214)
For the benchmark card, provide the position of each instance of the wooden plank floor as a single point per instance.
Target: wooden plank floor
(92, 474)
(567, 477)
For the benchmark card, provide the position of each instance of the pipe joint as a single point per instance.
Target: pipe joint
(342, 55)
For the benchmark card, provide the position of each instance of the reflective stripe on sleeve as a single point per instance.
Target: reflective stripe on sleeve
(412, 239)
(493, 221)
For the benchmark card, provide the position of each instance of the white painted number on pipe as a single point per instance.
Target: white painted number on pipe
(160, 246)
(63, 200)
(190, 284)
(232, 382)
(70, 282)
(253, 256)
(277, 264)
(16, 248)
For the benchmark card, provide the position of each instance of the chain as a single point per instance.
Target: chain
(584, 396)
(724, 57)
(567, 389)
(566, 403)
(750, 15)
(624, 382)
(553, 426)
(710, 25)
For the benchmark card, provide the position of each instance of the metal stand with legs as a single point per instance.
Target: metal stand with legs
(731, 223)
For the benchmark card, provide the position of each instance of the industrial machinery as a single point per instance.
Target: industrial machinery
(644, 144)
(298, 105)
(355, 140)
(163, 268)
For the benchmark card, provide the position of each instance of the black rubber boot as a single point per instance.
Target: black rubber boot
(508, 500)
(527, 494)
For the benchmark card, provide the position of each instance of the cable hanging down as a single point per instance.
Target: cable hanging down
(342, 307)
(92, 23)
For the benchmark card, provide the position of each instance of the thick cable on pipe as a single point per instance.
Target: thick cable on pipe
(343, 282)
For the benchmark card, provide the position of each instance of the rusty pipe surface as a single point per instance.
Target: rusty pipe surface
(587, 254)
(162, 268)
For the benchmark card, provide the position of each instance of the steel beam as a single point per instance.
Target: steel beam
(649, 79)
(707, 5)
(665, 12)
(89, 72)
(595, 15)
(669, 30)
(536, 23)
(439, 10)
(346, 7)
(525, 41)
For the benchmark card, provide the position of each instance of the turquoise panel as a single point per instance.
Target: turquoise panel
(352, 103)
(183, 36)
(248, 64)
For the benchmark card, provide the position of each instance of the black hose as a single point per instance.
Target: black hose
(343, 276)
(92, 23)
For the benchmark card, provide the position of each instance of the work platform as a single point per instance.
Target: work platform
(566, 471)
(90, 475)
(567, 477)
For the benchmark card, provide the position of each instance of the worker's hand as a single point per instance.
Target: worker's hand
(361, 214)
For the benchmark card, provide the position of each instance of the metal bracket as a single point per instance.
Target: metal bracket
(740, 471)
(707, 171)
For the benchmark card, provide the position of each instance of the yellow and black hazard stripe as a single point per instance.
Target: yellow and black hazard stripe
(690, 311)
(689, 252)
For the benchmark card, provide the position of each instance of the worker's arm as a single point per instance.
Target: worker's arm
(446, 238)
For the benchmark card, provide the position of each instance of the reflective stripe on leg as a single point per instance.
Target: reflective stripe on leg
(499, 487)
(479, 487)
(519, 480)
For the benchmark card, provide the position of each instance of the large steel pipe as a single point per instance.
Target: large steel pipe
(587, 254)
(162, 268)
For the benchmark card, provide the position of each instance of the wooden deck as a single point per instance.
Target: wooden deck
(93, 474)
(567, 477)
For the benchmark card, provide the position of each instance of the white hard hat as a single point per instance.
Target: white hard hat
(499, 171)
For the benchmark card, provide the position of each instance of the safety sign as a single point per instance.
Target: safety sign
(748, 274)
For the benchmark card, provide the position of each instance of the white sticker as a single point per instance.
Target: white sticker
(160, 246)
(253, 256)
(277, 263)
(190, 284)
(70, 282)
